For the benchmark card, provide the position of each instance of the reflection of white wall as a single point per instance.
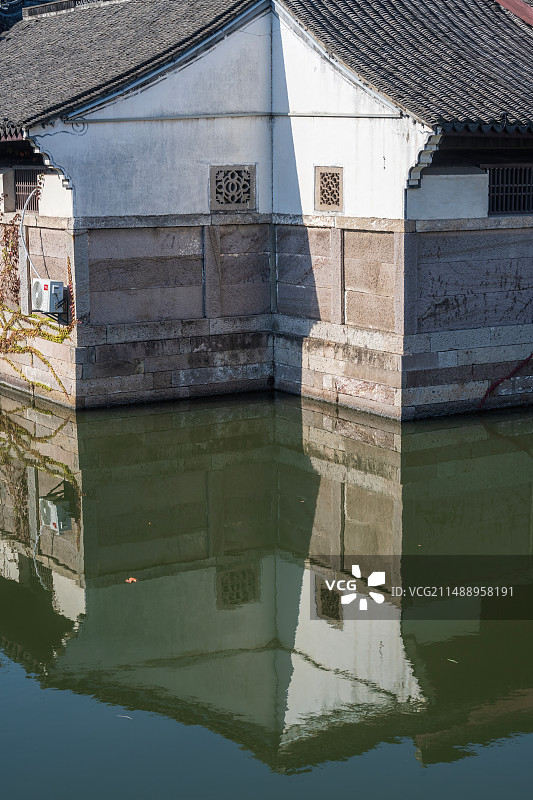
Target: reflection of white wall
(69, 597)
(175, 638)
(9, 561)
(363, 663)
(172, 617)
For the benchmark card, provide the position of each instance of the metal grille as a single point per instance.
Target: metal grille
(511, 189)
(25, 183)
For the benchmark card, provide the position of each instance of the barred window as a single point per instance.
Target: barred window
(510, 189)
(25, 182)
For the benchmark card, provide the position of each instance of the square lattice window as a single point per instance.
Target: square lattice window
(328, 189)
(328, 603)
(233, 188)
(237, 586)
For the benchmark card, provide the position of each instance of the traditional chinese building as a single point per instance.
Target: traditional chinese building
(334, 199)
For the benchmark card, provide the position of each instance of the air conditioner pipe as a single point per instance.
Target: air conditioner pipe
(21, 231)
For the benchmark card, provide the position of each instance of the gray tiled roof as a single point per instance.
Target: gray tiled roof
(54, 63)
(455, 61)
(452, 60)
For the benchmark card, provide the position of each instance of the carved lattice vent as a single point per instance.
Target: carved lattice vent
(328, 189)
(236, 587)
(233, 188)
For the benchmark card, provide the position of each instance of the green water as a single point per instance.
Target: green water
(207, 676)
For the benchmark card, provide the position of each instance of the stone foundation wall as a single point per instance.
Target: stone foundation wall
(49, 245)
(470, 309)
(400, 319)
(351, 354)
(175, 312)
(339, 364)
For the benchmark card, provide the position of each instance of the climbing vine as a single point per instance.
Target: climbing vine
(9, 275)
(19, 332)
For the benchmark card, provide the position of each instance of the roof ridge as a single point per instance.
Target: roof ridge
(519, 8)
(61, 7)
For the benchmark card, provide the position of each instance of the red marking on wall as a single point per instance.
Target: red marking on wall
(519, 9)
(506, 378)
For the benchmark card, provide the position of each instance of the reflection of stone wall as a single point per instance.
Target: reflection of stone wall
(197, 487)
(216, 509)
(39, 449)
(468, 488)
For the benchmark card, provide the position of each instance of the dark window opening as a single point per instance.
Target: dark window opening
(510, 189)
(25, 182)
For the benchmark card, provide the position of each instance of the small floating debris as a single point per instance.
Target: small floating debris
(452, 660)
(124, 716)
(131, 580)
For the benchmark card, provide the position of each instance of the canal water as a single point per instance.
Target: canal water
(172, 622)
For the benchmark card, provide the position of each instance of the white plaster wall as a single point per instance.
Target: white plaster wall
(376, 154)
(162, 167)
(119, 165)
(55, 200)
(449, 195)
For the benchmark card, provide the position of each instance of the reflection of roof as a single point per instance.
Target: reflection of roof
(455, 61)
(443, 735)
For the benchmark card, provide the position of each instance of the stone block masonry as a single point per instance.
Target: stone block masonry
(471, 303)
(370, 314)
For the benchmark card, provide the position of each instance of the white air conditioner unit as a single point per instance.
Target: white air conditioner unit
(55, 514)
(47, 296)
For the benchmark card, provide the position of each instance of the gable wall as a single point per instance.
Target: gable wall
(376, 153)
(267, 66)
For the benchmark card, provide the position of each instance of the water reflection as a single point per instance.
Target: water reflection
(218, 510)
